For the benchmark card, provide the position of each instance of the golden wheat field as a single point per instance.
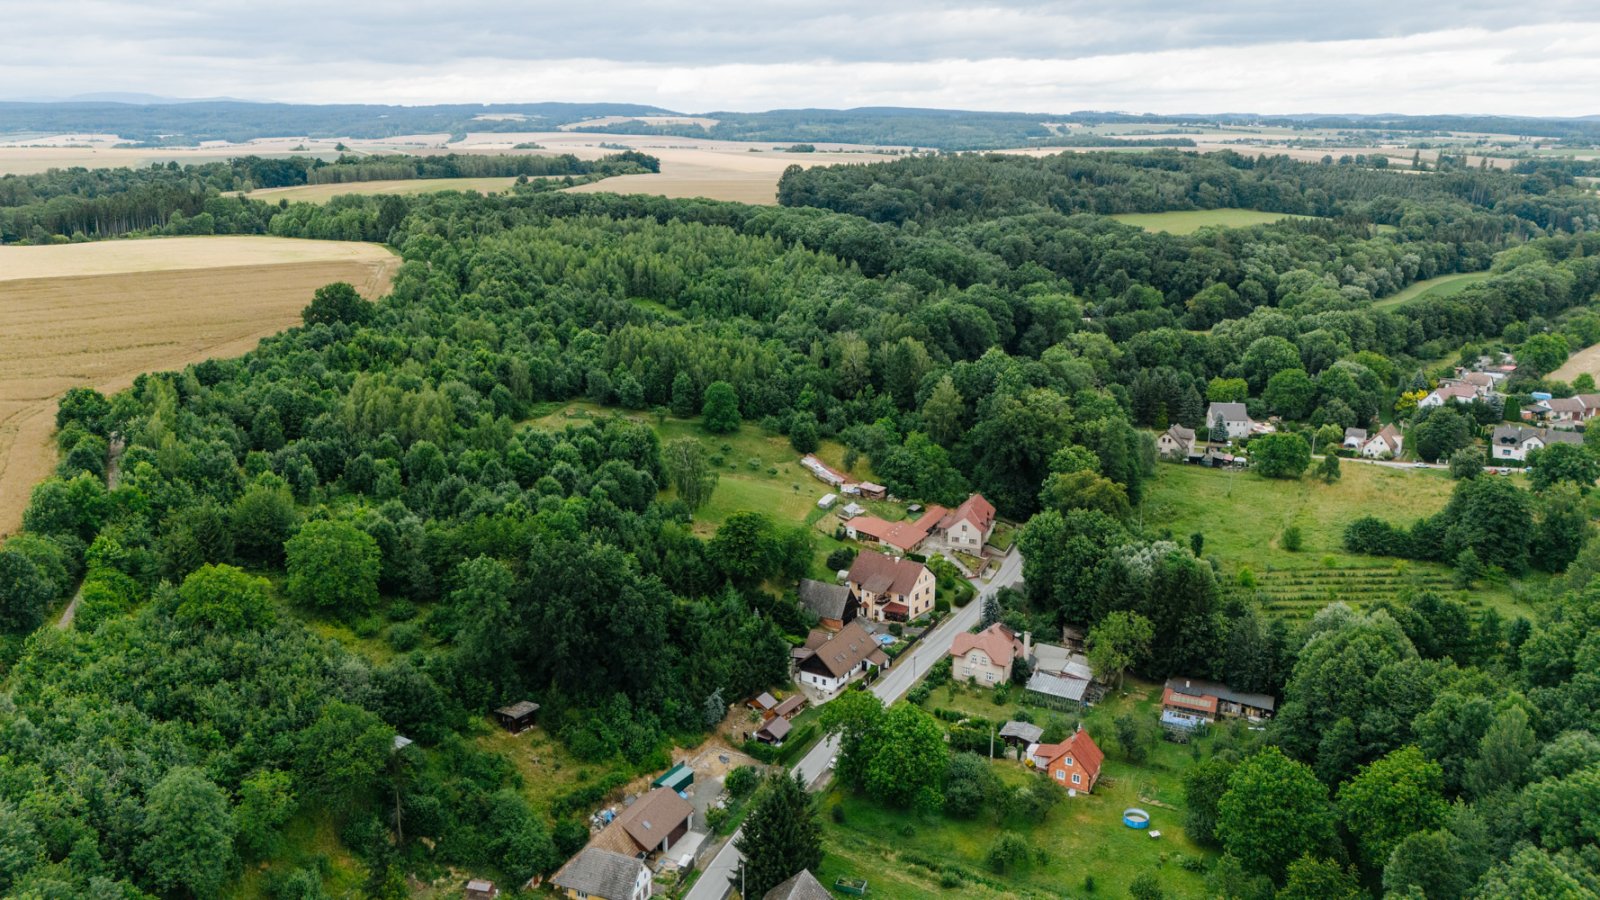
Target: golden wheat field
(99, 314)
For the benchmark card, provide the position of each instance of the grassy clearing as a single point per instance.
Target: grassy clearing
(758, 471)
(547, 768)
(1082, 836)
(1188, 221)
(1243, 517)
(322, 193)
(1443, 286)
(310, 841)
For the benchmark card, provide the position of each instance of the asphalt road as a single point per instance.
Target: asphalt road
(715, 879)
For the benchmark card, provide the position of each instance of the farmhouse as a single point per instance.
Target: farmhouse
(1073, 763)
(833, 604)
(1188, 703)
(969, 526)
(905, 536)
(597, 872)
(653, 824)
(1384, 445)
(1235, 421)
(985, 658)
(830, 661)
(890, 589)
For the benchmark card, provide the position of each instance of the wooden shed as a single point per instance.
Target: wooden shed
(517, 716)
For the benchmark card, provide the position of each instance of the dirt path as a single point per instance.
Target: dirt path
(113, 475)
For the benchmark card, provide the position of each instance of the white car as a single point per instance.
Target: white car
(833, 763)
(1419, 464)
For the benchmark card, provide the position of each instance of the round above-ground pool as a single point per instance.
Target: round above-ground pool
(1135, 818)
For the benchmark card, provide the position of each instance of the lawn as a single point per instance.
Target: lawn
(547, 768)
(1443, 286)
(1082, 836)
(1243, 516)
(1188, 221)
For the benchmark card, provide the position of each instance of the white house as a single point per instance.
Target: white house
(1176, 442)
(1354, 438)
(1235, 419)
(1458, 391)
(1385, 443)
(830, 660)
(1509, 442)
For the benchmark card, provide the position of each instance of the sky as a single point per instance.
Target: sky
(1266, 56)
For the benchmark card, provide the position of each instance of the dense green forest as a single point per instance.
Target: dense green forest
(964, 323)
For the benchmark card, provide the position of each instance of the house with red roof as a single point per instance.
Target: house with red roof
(890, 589)
(986, 658)
(1074, 763)
(969, 526)
(904, 537)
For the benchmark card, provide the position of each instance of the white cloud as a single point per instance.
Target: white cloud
(1142, 55)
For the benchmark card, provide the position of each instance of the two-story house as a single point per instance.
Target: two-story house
(969, 526)
(986, 658)
(1509, 442)
(1074, 763)
(890, 589)
(1176, 443)
(604, 874)
(1232, 417)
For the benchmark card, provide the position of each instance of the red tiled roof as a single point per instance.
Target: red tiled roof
(1198, 702)
(977, 510)
(998, 641)
(882, 574)
(903, 536)
(1086, 752)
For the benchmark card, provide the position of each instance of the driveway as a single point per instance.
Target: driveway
(715, 881)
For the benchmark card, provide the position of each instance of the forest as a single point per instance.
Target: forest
(963, 323)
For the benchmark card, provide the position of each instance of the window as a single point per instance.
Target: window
(989, 676)
(1069, 760)
(1076, 778)
(1061, 775)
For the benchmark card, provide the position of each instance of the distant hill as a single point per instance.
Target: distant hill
(186, 123)
(167, 121)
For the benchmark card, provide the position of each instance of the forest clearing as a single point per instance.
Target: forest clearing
(1188, 221)
(99, 314)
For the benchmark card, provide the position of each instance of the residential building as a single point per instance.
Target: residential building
(1176, 443)
(604, 874)
(1191, 702)
(1510, 442)
(1073, 763)
(891, 589)
(1447, 391)
(1386, 444)
(1354, 438)
(803, 886)
(833, 604)
(1568, 412)
(967, 528)
(652, 825)
(829, 661)
(1235, 419)
(986, 658)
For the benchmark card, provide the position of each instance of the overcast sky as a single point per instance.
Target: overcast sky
(1270, 56)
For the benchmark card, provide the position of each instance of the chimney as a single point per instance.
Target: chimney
(1186, 683)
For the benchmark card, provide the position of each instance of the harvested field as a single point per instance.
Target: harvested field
(322, 193)
(1585, 360)
(1188, 221)
(99, 314)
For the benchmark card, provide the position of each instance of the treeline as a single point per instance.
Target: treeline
(348, 168)
(88, 204)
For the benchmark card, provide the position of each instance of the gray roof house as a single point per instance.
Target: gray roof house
(803, 886)
(832, 603)
(597, 872)
(1235, 419)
